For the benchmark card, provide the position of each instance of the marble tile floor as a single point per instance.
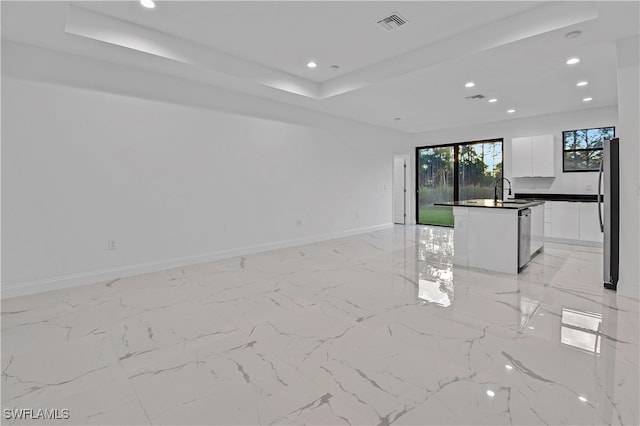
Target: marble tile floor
(374, 329)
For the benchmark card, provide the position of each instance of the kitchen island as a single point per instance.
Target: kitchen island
(499, 236)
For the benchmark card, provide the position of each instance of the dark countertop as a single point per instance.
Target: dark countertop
(489, 203)
(582, 198)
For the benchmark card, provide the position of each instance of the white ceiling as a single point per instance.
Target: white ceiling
(286, 35)
(514, 51)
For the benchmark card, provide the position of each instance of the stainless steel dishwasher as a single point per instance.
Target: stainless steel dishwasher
(524, 237)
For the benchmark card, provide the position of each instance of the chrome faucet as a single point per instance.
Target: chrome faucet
(495, 188)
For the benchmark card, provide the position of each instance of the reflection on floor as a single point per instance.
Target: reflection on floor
(371, 329)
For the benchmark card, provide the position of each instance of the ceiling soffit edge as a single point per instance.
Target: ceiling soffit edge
(547, 17)
(542, 19)
(96, 26)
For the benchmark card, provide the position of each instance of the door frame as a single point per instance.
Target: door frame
(406, 159)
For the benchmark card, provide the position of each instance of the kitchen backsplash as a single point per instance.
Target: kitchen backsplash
(569, 183)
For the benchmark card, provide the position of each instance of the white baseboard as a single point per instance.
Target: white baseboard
(573, 242)
(57, 283)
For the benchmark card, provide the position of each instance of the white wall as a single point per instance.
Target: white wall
(563, 183)
(629, 132)
(173, 184)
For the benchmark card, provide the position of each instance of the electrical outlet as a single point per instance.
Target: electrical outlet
(357, 215)
(112, 245)
(589, 187)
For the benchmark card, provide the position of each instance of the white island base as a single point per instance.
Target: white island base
(487, 238)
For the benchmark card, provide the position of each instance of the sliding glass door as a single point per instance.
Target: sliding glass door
(435, 184)
(454, 172)
(480, 165)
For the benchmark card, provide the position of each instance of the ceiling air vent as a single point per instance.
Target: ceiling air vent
(392, 21)
(471, 98)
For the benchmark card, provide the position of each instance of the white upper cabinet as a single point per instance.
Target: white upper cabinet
(533, 156)
(543, 156)
(521, 161)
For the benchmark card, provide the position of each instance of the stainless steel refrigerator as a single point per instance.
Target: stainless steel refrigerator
(609, 210)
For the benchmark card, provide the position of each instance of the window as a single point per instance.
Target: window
(581, 329)
(582, 149)
(453, 172)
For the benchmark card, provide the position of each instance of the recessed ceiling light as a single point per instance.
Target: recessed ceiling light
(582, 83)
(587, 99)
(470, 84)
(573, 61)
(492, 100)
(582, 398)
(508, 367)
(149, 4)
(491, 393)
(311, 64)
(511, 111)
(573, 34)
